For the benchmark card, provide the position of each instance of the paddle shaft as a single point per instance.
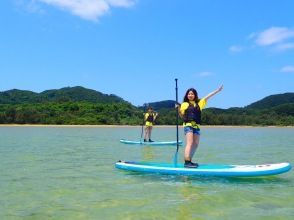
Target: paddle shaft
(142, 128)
(177, 123)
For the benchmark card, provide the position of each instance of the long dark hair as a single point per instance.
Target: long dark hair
(196, 99)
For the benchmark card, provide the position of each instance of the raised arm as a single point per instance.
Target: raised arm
(214, 92)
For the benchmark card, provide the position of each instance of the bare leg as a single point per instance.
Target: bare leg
(150, 131)
(189, 146)
(196, 139)
(146, 133)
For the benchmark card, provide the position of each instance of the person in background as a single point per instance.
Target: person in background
(190, 111)
(149, 118)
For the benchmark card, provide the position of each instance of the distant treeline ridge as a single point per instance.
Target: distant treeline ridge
(81, 106)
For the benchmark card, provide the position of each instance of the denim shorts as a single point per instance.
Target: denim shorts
(188, 129)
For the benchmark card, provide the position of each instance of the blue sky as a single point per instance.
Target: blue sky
(136, 48)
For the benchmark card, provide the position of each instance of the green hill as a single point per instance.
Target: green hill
(78, 94)
(273, 101)
(169, 104)
(16, 96)
(67, 94)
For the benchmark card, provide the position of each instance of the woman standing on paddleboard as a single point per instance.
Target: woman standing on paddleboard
(190, 111)
(149, 118)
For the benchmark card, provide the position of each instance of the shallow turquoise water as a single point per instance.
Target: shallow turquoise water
(68, 173)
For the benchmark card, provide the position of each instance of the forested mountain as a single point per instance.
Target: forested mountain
(78, 105)
(16, 96)
(67, 94)
(273, 101)
(160, 105)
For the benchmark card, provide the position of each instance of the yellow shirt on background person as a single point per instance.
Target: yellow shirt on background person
(148, 123)
(202, 103)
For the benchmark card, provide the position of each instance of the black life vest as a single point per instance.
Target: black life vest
(150, 117)
(193, 114)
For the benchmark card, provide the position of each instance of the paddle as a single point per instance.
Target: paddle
(177, 124)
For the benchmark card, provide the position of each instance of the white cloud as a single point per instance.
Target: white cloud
(204, 74)
(286, 46)
(236, 49)
(278, 39)
(121, 3)
(274, 35)
(287, 69)
(88, 9)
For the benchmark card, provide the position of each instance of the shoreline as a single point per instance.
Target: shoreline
(133, 126)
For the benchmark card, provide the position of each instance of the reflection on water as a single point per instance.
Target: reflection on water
(208, 180)
(148, 153)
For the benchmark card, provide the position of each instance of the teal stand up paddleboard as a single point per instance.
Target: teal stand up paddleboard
(158, 143)
(220, 170)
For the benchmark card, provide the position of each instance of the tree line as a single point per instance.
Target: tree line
(123, 113)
